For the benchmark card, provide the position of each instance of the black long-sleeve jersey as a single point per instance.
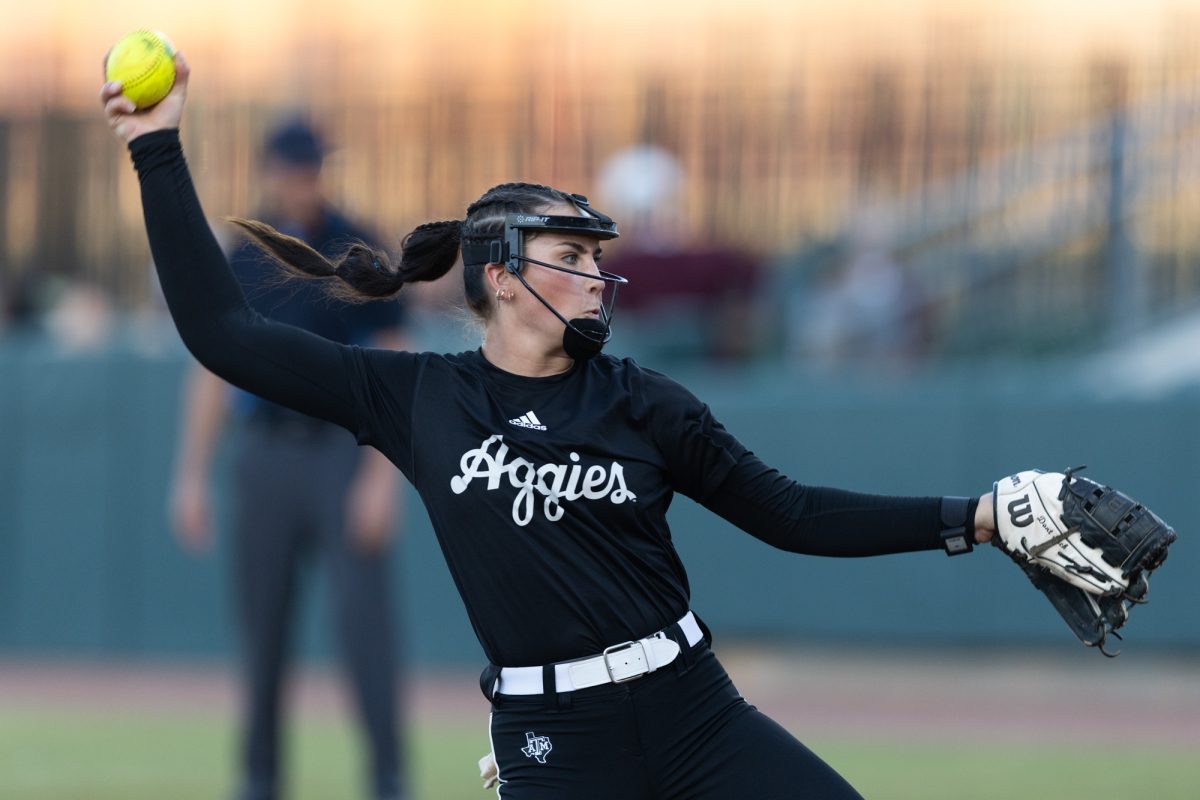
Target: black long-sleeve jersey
(548, 495)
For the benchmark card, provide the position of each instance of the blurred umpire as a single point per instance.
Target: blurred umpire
(300, 488)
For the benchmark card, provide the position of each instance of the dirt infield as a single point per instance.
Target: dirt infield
(829, 693)
(1016, 697)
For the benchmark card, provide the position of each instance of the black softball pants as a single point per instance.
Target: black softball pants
(680, 733)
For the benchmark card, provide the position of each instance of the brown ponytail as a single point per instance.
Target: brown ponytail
(363, 272)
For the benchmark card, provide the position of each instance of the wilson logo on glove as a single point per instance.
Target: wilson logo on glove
(1020, 513)
(1091, 552)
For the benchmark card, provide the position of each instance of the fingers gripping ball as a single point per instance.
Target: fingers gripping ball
(144, 64)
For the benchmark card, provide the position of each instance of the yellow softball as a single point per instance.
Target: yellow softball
(144, 63)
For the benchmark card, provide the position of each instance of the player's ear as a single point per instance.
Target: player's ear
(495, 278)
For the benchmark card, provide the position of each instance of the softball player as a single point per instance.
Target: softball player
(547, 469)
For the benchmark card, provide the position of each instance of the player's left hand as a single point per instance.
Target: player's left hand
(1089, 548)
(985, 520)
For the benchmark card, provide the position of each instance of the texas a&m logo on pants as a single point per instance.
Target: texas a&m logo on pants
(538, 747)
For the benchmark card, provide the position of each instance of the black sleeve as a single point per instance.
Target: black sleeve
(278, 362)
(708, 464)
(821, 521)
(697, 450)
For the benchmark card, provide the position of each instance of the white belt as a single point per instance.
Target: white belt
(621, 662)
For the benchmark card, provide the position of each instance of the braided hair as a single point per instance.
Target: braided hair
(364, 273)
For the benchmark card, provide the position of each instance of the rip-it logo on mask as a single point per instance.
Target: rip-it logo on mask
(554, 483)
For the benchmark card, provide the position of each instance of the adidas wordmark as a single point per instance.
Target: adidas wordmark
(528, 420)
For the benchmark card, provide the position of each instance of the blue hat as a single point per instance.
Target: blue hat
(295, 142)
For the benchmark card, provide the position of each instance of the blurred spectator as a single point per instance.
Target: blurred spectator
(690, 296)
(76, 316)
(81, 319)
(867, 308)
(437, 317)
(6, 304)
(301, 487)
(24, 298)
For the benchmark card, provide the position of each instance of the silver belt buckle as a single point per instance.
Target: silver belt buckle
(625, 646)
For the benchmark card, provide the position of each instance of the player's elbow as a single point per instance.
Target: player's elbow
(215, 342)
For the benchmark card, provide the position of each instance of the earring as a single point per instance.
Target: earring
(502, 295)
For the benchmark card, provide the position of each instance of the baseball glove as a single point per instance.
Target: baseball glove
(1089, 548)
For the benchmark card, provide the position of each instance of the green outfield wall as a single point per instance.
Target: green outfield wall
(89, 569)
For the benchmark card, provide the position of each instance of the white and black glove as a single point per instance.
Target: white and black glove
(1089, 548)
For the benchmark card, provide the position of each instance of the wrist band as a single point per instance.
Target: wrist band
(958, 529)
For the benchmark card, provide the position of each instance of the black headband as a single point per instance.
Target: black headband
(504, 248)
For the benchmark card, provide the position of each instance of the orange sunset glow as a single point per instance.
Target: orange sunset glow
(50, 51)
(785, 115)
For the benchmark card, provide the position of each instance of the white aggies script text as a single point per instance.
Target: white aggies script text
(554, 482)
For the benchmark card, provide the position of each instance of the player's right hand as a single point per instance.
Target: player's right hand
(129, 123)
(190, 515)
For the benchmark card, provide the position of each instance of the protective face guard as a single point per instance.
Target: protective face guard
(583, 337)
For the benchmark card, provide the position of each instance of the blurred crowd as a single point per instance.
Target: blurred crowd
(863, 208)
(691, 296)
(72, 315)
(916, 227)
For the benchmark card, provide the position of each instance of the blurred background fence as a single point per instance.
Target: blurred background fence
(89, 568)
(1020, 164)
(896, 226)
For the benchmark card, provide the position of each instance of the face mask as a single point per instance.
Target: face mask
(583, 337)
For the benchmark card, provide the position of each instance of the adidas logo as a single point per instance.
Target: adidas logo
(528, 420)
